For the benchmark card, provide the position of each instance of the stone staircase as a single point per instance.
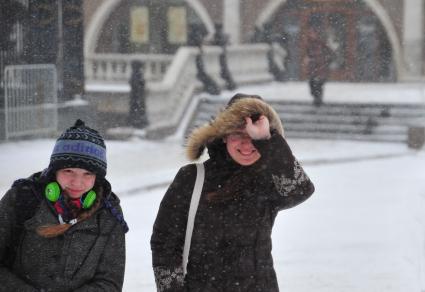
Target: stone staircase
(349, 121)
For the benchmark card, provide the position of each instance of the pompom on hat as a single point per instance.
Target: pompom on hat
(79, 147)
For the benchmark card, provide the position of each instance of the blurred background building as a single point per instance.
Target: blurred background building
(92, 43)
(375, 40)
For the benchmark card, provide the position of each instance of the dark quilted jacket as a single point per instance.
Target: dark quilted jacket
(231, 243)
(90, 256)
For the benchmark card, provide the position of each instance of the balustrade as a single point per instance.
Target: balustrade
(117, 67)
(171, 79)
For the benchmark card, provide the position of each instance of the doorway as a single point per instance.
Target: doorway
(361, 49)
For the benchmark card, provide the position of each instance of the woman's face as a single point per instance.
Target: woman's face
(75, 181)
(240, 148)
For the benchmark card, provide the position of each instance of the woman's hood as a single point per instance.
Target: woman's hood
(229, 120)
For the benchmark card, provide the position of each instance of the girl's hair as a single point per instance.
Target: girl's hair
(50, 231)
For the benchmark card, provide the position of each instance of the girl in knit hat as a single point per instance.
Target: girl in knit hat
(63, 229)
(250, 176)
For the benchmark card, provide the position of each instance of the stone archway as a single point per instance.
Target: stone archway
(94, 28)
(375, 7)
(101, 15)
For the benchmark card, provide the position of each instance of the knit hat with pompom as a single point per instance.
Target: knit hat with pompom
(79, 147)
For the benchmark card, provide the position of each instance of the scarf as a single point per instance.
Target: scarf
(68, 208)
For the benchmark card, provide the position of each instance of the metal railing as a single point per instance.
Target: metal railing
(30, 105)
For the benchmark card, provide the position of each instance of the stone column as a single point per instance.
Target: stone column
(41, 46)
(231, 20)
(72, 62)
(413, 38)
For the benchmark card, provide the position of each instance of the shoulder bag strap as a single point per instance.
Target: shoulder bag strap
(200, 174)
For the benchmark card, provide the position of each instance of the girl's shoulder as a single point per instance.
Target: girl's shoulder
(26, 195)
(190, 167)
(187, 171)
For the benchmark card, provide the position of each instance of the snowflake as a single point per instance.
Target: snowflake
(165, 277)
(285, 185)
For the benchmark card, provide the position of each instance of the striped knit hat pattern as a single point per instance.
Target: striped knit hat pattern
(79, 147)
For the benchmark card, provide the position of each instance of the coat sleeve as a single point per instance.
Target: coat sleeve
(109, 275)
(281, 174)
(169, 232)
(9, 281)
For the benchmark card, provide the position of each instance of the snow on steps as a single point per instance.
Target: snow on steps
(349, 121)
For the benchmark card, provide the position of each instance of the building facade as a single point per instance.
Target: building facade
(94, 43)
(373, 40)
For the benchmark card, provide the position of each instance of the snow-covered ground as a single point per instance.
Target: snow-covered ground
(362, 230)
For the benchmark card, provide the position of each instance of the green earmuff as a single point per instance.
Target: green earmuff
(88, 199)
(53, 192)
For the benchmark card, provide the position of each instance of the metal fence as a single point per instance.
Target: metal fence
(30, 105)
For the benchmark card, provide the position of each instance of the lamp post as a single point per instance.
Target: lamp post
(59, 56)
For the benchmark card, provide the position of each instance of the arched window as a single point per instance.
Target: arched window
(146, 26)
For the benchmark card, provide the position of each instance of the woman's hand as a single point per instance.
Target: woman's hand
(258, 130)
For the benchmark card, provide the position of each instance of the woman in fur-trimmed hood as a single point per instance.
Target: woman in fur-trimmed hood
(250, 176)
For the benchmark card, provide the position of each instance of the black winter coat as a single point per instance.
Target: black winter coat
(231, 242)
(90, 256)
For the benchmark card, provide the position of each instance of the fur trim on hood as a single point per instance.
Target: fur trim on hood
(228, 121)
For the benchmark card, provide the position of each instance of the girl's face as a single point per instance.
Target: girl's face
(240, 148)
(75, 181)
